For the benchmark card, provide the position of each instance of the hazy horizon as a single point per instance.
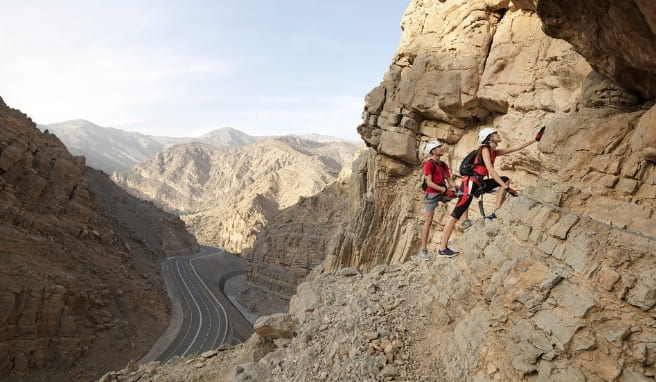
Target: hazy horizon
(184, 69)
(73, 121)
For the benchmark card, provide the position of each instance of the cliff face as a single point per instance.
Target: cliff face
(461, 67)
(571, 260)
(80, 291)
(296, 240)
(227, 194)
(562, 282)
(559, 288)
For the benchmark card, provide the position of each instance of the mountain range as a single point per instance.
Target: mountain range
(80, 284)
(225, 184)
(114, 150)
(226, 195)
(560, 286)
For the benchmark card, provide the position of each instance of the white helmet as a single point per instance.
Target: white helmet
(483, 134)
(431, 145)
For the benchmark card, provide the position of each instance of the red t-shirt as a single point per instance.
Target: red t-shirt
(438, 172)
(482, 170)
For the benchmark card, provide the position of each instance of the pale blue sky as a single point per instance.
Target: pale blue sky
(184, 68)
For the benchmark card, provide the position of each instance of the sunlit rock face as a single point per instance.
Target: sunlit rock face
(459, 67)
(578, 242)
(559, 288)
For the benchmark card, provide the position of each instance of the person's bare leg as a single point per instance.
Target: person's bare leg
(501, 195)
(424, 231)
(446, 232)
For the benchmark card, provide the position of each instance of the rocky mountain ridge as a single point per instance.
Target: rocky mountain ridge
(225, 184)
(106, 148)
(226, 194)
(80, 290)
(289, 247)
(511, 76)
(114, 150)
(559, 288)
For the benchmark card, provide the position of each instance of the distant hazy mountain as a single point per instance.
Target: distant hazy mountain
(106, 148)
(323, 138)
(227, 136)
(114, 150)
(226, 194)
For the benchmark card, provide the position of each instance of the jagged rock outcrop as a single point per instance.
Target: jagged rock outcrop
(528, 79)
(559, 288)
(80, 291)
(617, 37)
(227, 194)
(487, 64)
(288, 248)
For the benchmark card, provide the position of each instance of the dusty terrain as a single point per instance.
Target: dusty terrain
(79, 284)
(559, 288)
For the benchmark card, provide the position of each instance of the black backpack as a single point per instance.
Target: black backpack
(467, 165)
(424, 185)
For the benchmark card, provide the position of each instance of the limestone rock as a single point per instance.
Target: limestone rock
(72, 244)
(276, 326)
(615, 37)
(643, 141)
(297, 240)
(559, 288)
(226, 195)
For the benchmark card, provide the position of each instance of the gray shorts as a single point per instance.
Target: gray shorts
(431, 200)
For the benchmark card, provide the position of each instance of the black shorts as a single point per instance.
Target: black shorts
(470, 187)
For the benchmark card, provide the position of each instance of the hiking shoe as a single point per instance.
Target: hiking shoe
(423, 254)
(491, 216)
(447, 253)
(466, 224)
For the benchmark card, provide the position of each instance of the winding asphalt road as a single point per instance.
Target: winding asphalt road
(203, 317)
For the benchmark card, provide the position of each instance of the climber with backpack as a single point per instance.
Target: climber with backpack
(475, 184)
(437, 187)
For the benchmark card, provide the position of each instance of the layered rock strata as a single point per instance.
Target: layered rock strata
(80, 291)
(559, 288)
(296, 241)
(564, 278)
(227, 194)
